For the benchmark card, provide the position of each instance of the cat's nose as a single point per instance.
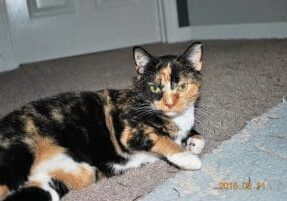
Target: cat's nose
(170, 105)
(170, 100)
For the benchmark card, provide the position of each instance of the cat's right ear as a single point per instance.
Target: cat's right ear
(141, 59)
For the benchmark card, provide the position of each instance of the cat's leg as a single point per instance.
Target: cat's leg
(59, 174)
(175, 154)
(62, 167)
(194, 142)
(148, 140)
(4, 190)
(83, 176)
(52, 163)
(135, 160)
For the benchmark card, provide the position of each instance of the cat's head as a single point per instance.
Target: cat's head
(169, 83)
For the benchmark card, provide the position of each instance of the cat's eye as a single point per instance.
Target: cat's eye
(182, 87)
(155, 89)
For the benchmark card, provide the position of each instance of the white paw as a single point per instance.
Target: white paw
(195, 144)
(185, 160)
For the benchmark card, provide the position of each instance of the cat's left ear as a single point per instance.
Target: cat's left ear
(142, 58)
(193, 56)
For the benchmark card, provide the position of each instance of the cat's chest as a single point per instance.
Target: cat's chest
(185, 122)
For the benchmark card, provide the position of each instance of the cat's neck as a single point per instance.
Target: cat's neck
(185, 121)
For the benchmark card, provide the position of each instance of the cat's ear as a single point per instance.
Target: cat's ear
(141, 59)
(193, 56)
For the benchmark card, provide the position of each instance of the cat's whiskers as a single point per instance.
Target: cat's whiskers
(142, 110)
(145, 112)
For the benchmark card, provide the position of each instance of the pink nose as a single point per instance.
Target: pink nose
(170, 105)
(171, 101)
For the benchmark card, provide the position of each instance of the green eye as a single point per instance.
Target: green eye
(182, 87)
(155, 89)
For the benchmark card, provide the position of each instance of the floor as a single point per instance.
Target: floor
(242, 78)
(251, 166)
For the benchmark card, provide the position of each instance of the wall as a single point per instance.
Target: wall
(206, 12)
(224, 19)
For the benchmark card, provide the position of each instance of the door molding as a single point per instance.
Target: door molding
(7, 57)
(174, 33)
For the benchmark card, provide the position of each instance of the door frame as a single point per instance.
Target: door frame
(8, 59)
(171, 31)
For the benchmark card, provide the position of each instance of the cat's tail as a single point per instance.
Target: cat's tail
(54, 193)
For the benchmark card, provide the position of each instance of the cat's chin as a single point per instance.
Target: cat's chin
(178, 113)
(172, 114)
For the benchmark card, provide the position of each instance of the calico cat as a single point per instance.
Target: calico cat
(69, 141)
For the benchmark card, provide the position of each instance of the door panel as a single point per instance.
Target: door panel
(44, 29)
(41, 8)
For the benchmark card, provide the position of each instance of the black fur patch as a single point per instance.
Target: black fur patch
(29, 194)
(59, 187)
(15, 164)
(140, 141)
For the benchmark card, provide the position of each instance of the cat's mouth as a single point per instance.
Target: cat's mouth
(175, 107)
(177, 112)
(172, 114)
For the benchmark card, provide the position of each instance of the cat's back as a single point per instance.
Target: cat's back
(54, 109)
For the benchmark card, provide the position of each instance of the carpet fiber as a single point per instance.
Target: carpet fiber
(241, 80)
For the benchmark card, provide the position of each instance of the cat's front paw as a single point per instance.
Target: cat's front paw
(195, 144)
(185, 160)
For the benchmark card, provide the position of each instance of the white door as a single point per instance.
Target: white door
(7, 59)
(44, 29)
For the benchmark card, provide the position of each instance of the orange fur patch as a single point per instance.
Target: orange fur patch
(165, 146)
(161, 105)
(76, 180)
(4, 190)
(173, 100)
(191, 94)
(170, 99)
(30, 127)
(165, 75)
(181, 101)
(126, 135)
(44, 149)
(108, 108)
(198, 65)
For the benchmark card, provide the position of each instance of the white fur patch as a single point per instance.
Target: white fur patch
(135, 160)
(185, 122)
(141, 58)
(186, 160)
(41, 173)
(53, 193)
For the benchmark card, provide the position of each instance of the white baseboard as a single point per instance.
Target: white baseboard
(238, 31)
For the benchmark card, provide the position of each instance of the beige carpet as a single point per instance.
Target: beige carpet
(242, 79)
